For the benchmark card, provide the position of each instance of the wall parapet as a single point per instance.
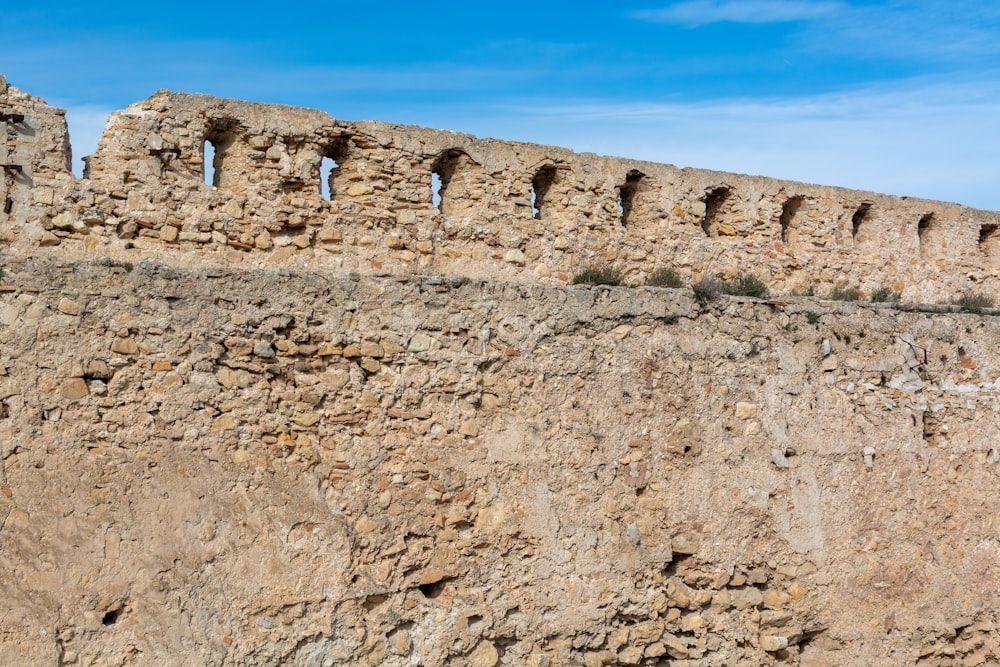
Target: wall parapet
(409, 199)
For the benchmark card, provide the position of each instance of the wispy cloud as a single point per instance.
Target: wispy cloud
(695, 13)
(911, 31)
(922, 138)
(950, 31)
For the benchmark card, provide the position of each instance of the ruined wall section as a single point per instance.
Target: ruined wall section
(515, 211)
(270, 467)
(34, 163)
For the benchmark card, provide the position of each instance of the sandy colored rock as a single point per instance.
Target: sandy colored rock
(68, 307)
(469, 428)
(124, 346)
(484, 655)
(289, 430)
(771, 643)
(74, 389)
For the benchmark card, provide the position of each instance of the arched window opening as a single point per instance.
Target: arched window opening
(858, 220)
(714, 202)
(452, 180)
(925, 225)
(540, 184)
(208, 151)
(931, 236)
(217, 142)
(989, 241)
(627, 196)
(788, 212)
(326, 168)
(334, 156)
(927, 235)
(988, 234)
(436, 187)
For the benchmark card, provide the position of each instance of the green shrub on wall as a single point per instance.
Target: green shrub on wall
(599, 275)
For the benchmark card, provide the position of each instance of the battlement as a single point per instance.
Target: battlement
(407, 199)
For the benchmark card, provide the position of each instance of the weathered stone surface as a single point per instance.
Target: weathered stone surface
(68, 307)
(124, 346)
(355, 465)
(386, 462)
(74, 389)
(772, 643)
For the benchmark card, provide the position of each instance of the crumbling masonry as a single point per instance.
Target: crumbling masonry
(249, 423)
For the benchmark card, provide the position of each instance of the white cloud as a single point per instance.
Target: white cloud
(702, 12)
(927, 139)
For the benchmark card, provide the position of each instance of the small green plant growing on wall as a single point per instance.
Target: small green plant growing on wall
(844, 294)
(975, 302)
(707, 289)
(809, 290)
(812, 317)
(746, 284)
(884, 294)
(599, 275)
(664, 277)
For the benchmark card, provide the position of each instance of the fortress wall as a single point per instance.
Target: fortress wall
(514, 211)
(237, 429)
(269, 467)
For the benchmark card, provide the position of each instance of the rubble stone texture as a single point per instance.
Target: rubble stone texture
(219, 447)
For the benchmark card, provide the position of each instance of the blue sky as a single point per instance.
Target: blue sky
(897, 97)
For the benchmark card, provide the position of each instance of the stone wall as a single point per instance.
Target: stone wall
(221, 448)
(268, 467)
(514, 211)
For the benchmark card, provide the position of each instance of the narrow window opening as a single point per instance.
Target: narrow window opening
(860, 217)
(455, 184)
(714, 202)
(987, 233)
(210, 168)
(788, 212)
(218, 140)
(540, 186)
(326, 168)
(335, 155)
(436, 188)
(989, 239)
(626, 196)
(925, 224)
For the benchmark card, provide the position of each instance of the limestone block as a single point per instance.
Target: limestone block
(68, 220)
(124, 346)
(68, 307)
(74, 389)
